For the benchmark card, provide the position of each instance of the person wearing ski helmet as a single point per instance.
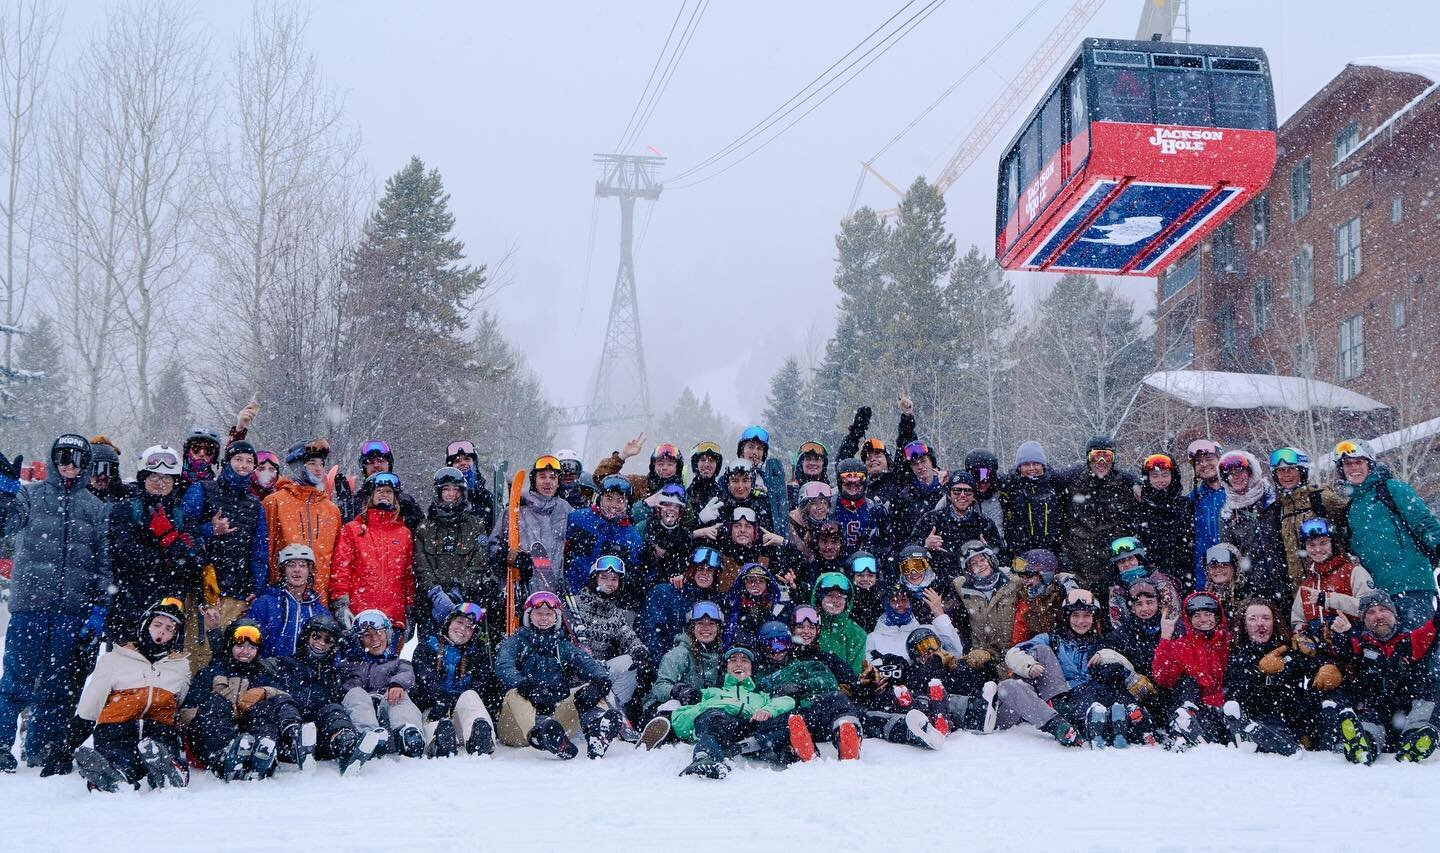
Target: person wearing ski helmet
(373, 676)
(103, 478)
(1244, 525)
(839, 634)
(1332, 583)
(1208, 496)
(664, 549)
(200, 452)
(1101, 507)
(984, 467)
(376, 457)
(706, 461)
(462, 456)
(59, 586)
(311, 677)
(228, 525)
(1037, 611)
(1392, 531)
(282, 610)
(602, 528)
(1033, 504)
(1165, 522)
(1297, 500)
(813, 506)
(863, 570)
(266, 474)
(553, 687)
(454, 682)
(577, 487)
(813, 678)
(300, 511)
(739, 489)
(1052, 684)
(692, 661)
(133, 697)
(1390, 681)
(921, 488)
(945, 530)
(864, 523)
(664, 615)
(544, 515)
(605, 630)
(1192, 666)
(886, 475)
(452, 557)
(152, 557)
(1130, 560)
(755, 599)
(666, 467)
(754, 446)
(812, 465)
(989, 595)
(374, 566)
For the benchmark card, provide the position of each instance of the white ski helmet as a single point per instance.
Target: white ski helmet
(160, 459)
(295, 551)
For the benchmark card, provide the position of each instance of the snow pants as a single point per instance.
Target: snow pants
(45, 666)
(373, 710)
(332, 722)
(718, 734)
(1027, 700)
(826, 712)
(119, 743)
(215, 724)
(1385, 723)
(517, 717)
(623, 680)
(468, 709)
(1209, 719)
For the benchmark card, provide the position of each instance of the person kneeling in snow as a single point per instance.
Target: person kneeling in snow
(737, 719)
(377, 687)
(1391, 679)
(1193, 666)
(813, 678)
(132, 697)
(553, 687)
(454, 677)
(1275, 692)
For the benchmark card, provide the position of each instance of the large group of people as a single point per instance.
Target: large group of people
(209, 613)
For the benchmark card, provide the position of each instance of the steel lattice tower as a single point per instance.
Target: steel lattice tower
(620, 400)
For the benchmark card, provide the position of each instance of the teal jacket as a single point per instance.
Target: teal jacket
(839, 635)
(1379, 539)
(813, 676)
(737, 698)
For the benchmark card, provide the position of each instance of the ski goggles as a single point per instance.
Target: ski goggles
(806, 615)
(862, 564)
(1289, 457)
(1100, 456)
(608, 563)
(709, 447)
(756, 433)
(743, 513)
(1233, 462)
(384, 478)
(472, 611)
(1200, 447)
(543, 598)
(872, 445)
(1314, 527)
(374, 448)
(68, 456)
(105, 469)
(982, 475)
(245, 634)
(914, 565)
(1350, 448)
(835, 582)
(927, 645)
(916, 449)
(459, 448)
(1157, 460)
(852, 477)
(673, 495)
(1202, 601)
(776, 645)
(705, 610)
(267, 457)
(548, 463)
(666, 451)
(161, 458)
(374, 621)
(708, 557)
(812, 448)
(1125, 546)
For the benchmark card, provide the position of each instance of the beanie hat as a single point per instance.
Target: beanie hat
(1376, 598)
(1030, 451)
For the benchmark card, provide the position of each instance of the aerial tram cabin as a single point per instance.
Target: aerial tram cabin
(1137, 152)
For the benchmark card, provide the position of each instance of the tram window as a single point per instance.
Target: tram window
(1122, 94)
(1241, 100)
(1029, 155)
(1079, 129)
(1236, 63)
(1011, 190)
(1182, 91)
(1050, 127)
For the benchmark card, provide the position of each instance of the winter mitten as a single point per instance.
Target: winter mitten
(95, 624)
(340, 607)
(1304, 644)
(1273, 663)
(1327, 677)
(440, 604)
(685, 694)
(861, 422)
(161, 528)
(250, 698)
(977, 658)
(10, 473)
(1139, 686)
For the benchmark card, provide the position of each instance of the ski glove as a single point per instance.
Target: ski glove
(790, 689)
(95, 624)
(341, 608)
(591, 693)
(441, 604)
(710, 511)
(10, 473)
(162, 528)
(977, 658)
(861, 422)
(685, 694)
(543, 696)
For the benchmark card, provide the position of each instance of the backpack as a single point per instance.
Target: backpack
(1382, 491)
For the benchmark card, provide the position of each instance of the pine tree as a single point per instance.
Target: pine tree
(170, 415)
(693, 420)
(515, 422)
(38, 407)
(786, 414)
(405, 325)
(980, 300)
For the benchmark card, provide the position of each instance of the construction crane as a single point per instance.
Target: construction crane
(1157, 23)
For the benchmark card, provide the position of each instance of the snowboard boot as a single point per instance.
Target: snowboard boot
(549, 736)
(410, 741)
(292, 745)
(628, 732)
(801, 743)
(706, 766)
(1118, 724)
(600, 726)
(57, 762)
(356, 749)
(1184, 730)
(1357, 744)
(1255, 735)
(233, 766)
(847, 739)
(1416, 744)
(8, 764)
(163, 768)
(655, 733)
(97, 771)
(1097, 723)
(262, 763)
(481, 740)
(1139, 728)
(1059, 728)
(443, 744)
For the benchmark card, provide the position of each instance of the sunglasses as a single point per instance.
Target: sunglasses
(246, 634)
(707, 557)
(374, 448)
(961, 490)
(458, 448)
(609, 563)
(1158, 460)
(705, 610)
(547, 463)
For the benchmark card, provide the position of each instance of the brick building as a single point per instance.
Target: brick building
(1332, 273)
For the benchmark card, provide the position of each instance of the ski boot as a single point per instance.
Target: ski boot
(481, 740)
(706, 766)
(409, 741)
(1416, 744)
(354, 750)
(1138, 726)
(1097, 723)
(163, 768)
(1059, 728)
(600, 726)
(1183, 728)
(97, 771)
(263, 761)
(443, 744)
(936, 694)
(628, 732)
(292, 745)
(549, 736)
(847, 738)
(1257, 736)
(801, 743)
(1118, 724)
(234, 765)
(1357, 743)
(8, 764)
(655, 733)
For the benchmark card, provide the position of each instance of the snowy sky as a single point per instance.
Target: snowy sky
(510, 100)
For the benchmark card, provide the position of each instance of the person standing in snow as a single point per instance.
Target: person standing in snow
(1247, 495)
(1297, 500)
(544, 515)
(461, 456)
(1208, 496)
(1033, 503)
(1166, 521)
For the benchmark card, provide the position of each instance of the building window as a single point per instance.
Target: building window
(1351, 349)
(1302, 279)
(1181, 274)
(1299, 190)
(1224, 253)
(1397, 314)
(1260, 305)
(1179, 337)
(1347, 251)
(1303, 359)
(1229, 335)
(1344, 179)
(1347, 140)
(1397, 209)
(1260, 221)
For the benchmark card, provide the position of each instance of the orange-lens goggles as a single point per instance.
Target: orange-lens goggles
(927, 645)
(1158, 460)
(852, 476)
(1101, 456)
(247, 634)
(913, 565)
(812, 448)
(1345, 447)
(664, 450)
(873, 445)
(547, 463)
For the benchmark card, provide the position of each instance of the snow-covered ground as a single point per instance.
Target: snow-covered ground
(1015, 790)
